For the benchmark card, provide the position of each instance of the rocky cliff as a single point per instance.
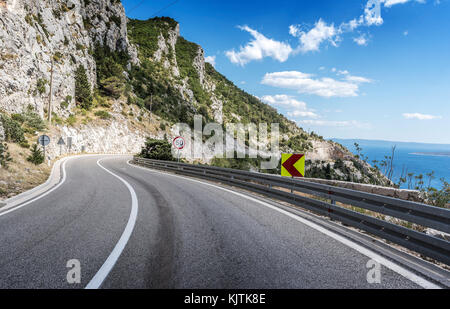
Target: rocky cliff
(33, 34)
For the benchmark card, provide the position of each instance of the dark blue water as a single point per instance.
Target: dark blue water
(415, 157)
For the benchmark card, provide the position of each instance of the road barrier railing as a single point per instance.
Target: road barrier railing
(324, 203)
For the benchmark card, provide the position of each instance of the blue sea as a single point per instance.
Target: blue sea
(417, 158)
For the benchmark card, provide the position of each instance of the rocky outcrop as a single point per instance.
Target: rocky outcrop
(117, 137)
(35, 33)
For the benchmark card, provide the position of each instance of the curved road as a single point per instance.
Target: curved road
(175, 233)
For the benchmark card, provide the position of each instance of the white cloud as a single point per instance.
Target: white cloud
(283, 100)
(339, 124)
(351, 78)
(305, 114)
(296, 108)
(259, 48)
(420, 116)
(312, 39)
(211, 60)
(305, 83)
(361, 40)
(389, 3)
(357, 79)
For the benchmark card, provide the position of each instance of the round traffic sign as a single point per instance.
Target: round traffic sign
(44, 140)
(179, 142)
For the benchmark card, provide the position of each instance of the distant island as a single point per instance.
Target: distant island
(434, 154)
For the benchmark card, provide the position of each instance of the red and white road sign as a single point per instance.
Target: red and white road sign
(179, 142)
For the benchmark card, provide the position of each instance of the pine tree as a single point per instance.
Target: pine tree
(5, 156)
(36, 157)
(83, 95)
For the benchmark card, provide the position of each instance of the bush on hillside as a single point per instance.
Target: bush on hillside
(13, 129)
(157, 150)
(5, 156)
(36, 157)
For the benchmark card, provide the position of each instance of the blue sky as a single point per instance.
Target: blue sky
(369, 69)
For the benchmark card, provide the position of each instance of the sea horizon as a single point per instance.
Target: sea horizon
(410, 157)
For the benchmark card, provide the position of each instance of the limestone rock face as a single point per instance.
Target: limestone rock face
(117, 138)
(32, 33)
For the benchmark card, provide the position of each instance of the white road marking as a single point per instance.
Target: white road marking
(43, 194)
(106, 268)
(370, 254)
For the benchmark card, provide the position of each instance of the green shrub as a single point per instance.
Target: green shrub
(157, 150)
(36, 157)
(113, 86)
(56, 119)
(103, 114)
(71, 120)
(24, 144)
(57, 56)
(40, 86)
(65, 104)
(440, 198)
(5, 156)
(13, 129)
(32, 122)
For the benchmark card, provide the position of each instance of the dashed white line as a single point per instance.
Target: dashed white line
(106, 268)
(370, 254)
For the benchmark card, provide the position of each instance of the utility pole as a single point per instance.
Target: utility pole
(51, 93)
(151, 106)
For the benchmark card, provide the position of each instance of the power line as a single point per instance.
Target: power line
(156, 13)
(166, 7)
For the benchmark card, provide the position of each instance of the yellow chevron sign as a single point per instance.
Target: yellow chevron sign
(292, 165)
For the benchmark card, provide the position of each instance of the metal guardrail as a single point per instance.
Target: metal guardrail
(272, 186)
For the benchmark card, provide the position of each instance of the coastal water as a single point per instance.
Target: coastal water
(416, 158)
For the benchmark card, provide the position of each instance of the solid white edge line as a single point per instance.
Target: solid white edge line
(108, 265)
(370, 254)
(42, 195)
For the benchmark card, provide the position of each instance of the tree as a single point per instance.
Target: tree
(5, 156)
(83, 95)
(157, 150)
(113, 86)
(36, 157)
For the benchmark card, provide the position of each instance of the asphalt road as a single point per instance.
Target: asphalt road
(186, 235)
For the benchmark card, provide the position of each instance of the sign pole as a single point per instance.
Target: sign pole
(44, 140)
(179, 143)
